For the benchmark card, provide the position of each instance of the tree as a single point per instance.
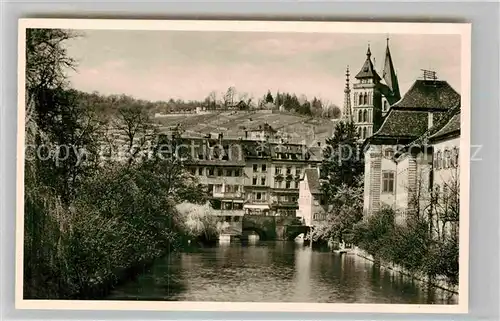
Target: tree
(344, 211)
(343, 161)
(46, 64)
(211, 100)
(228, 97)
(134, 122)
(269, 97)
(336, 112)
(316, 107)
(200, 221)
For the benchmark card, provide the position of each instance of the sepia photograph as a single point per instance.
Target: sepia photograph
(291, 166)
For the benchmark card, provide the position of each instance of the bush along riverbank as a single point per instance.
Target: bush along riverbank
(117, 225)
(410, 248)
(100, 192)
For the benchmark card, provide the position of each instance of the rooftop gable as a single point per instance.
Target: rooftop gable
(451, 127)
(403, 123)
(436, 94)
(368, 71)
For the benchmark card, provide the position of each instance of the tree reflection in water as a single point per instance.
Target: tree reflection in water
(274, 272)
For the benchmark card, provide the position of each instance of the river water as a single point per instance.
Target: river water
(274, 272)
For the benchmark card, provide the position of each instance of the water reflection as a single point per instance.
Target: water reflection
(254, 271)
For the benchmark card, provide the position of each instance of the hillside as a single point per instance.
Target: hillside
(234, 123)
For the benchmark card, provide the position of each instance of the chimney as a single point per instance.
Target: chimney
(430, 120)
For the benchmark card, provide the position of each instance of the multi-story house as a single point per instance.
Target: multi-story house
(421, 108)
(219, 164)
(257, 174)
(312, 207)
(273, 170)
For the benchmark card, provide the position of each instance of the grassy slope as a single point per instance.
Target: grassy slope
(233, 124)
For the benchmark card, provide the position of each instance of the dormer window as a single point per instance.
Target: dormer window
(389, 153)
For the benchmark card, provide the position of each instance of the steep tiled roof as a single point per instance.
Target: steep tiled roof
(389, 74)
(441, 120)
(313, 180)
(368, 71)
(429, 94)
(388, 93)
(453, 125)
(403, 123)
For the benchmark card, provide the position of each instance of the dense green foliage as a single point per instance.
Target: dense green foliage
(90, 219)
(409, 245)
(342, 187)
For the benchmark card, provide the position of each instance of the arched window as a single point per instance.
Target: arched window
(364, 132)
(359, 132)
(365, 116)
(386, 105)
(361, 98)
(360, 116)
(365, 99)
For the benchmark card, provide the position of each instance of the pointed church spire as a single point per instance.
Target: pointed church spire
(389, 74)
(347, 98)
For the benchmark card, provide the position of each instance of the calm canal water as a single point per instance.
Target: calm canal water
(273, 272)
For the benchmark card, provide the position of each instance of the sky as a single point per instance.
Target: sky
(188, 65)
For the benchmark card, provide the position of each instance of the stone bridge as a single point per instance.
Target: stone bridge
(274, 227)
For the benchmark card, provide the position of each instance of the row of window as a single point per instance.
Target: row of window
(263, 168)
(288, 171)
(277, 184)
(447, 159)
(212, 171)
(287, 198)
(364, 132)
(363, 116)
(286, 184)
(217, 188)
(255, 180)
(258, 196)
(362, 98)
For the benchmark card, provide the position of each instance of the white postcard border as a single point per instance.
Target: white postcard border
(462, 29)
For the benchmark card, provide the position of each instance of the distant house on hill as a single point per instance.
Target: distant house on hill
(262, 132)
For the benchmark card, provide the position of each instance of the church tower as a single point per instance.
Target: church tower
(367, 107)
(347, 99)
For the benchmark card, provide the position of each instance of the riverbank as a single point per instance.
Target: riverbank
(438, 282)
(271, 271)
